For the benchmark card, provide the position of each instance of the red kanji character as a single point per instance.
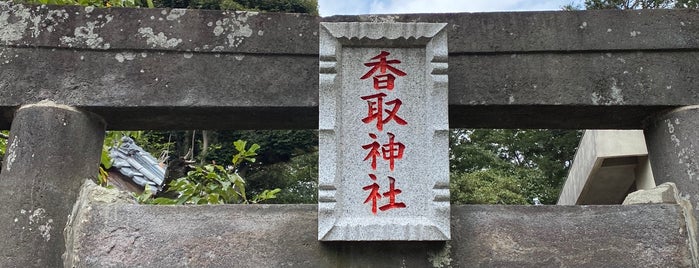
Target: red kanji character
(392, 150)
(376, 111)
(391, 194)
(374, 194)
(384, 80)
(373, 151)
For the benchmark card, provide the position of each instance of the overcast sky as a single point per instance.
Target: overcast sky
(355, 7)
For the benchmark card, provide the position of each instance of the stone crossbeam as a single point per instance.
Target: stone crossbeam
(189, 69)
(285, 235)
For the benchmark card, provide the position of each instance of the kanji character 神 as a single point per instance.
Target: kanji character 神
(384, 80)
(376, 111)
(373, 151)
(390, 151)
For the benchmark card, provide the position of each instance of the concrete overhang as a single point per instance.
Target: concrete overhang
(607, 166)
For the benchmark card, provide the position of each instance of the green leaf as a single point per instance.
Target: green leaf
(254, 148)
(164, 201)
(209, 168)
(214, 199)
(182, 199)
(105, 160)
(240, 184)
(240, 145)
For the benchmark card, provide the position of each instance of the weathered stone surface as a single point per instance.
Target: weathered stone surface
(52, 149)
(665, 193)
(588, 69)
(521, 32)
(388, 192)
(157, 90)
(129, 29)
(121, 235)
(588, 90)
(673, 148)
(90, 193)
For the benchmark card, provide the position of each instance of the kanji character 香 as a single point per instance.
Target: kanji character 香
(384, 80)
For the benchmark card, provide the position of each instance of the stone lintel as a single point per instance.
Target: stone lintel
(241, 70)
(282, 235)
(215, 31)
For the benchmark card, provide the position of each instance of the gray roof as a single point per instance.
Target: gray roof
(134, 162)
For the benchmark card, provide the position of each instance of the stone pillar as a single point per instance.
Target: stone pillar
(673, 143)
(51, 150)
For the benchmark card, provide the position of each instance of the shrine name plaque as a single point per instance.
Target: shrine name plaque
(384, 162)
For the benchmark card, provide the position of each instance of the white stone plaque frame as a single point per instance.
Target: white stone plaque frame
(342, 215)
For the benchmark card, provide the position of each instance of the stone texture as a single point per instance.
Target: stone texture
(665, 193)
(420, 125)
(157, 90)
(507, 70)
(51, 151)
(673, 148)
(90, 193)
(155, 29)
(122, 235)
(237, 68)
(673, 145)
(521, 32)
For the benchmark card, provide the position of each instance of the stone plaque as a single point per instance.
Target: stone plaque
(384, 164)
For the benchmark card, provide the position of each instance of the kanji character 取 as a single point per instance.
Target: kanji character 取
(376, 111)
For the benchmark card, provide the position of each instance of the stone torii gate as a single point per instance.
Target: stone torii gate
(68, 73)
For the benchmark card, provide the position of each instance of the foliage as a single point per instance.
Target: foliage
(525, 163)
(486, 187)
(95, 3)
(4, 136)
(3, 143)
(290, 6)
(213, 184)
(298, 179)
(288, 159)
(639, 4)
(634, 4)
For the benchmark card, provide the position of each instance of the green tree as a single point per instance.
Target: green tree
(286, 159)
(633, 4)
(523, 163)
(288, 6)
